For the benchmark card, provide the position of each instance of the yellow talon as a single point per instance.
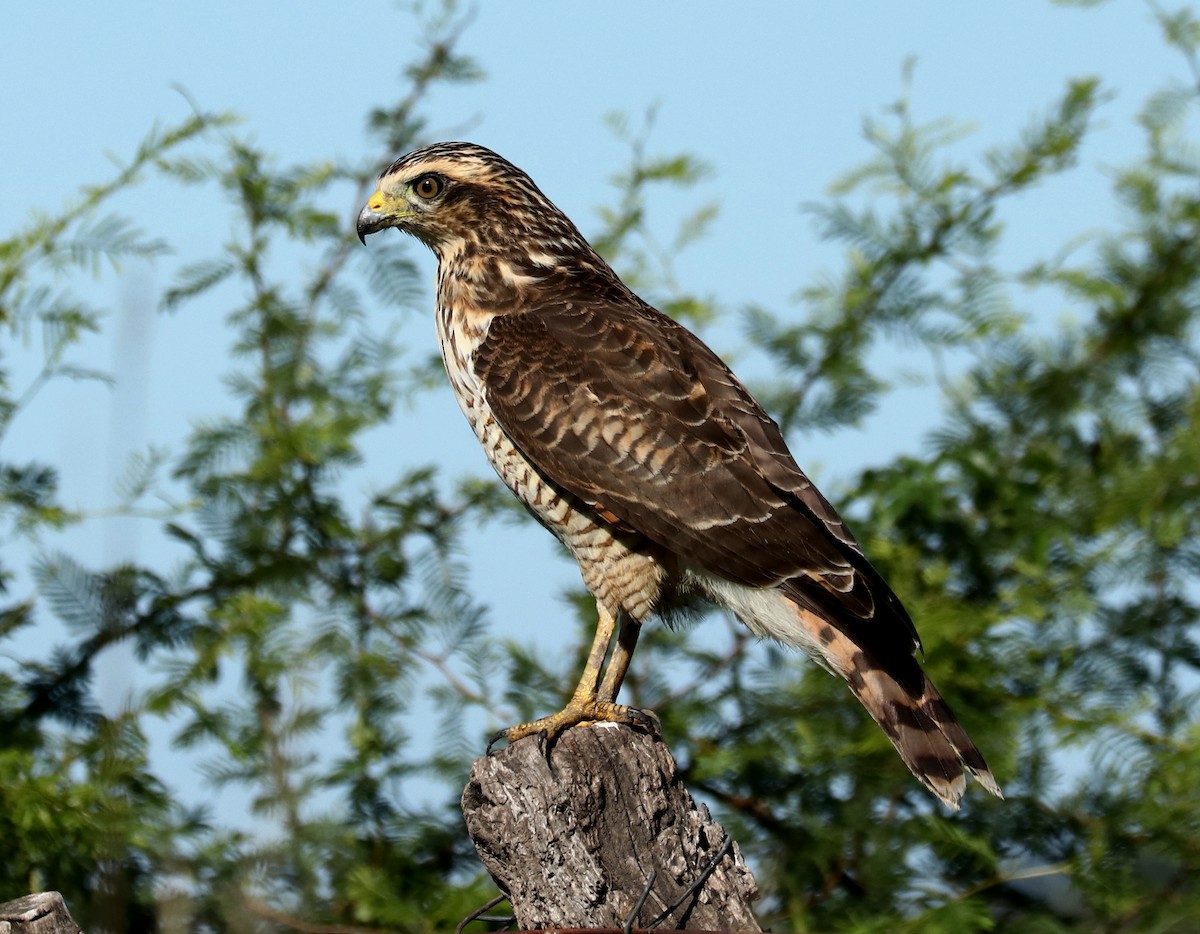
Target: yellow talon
(594, 698)
(579, 712)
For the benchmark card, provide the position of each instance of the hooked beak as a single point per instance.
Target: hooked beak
(369, 221)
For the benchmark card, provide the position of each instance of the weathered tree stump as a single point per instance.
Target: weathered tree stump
(40, 913)
(573, 837)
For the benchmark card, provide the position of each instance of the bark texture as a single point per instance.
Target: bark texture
(40, 913)
(573, 836)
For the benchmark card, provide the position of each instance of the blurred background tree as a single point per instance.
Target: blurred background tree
(1044, 539)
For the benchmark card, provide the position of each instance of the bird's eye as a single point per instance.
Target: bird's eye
(428, 187)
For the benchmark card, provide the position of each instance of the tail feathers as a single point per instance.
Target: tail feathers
(890, 684)
(915, 718)
(931, 742)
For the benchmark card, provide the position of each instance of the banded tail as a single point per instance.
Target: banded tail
(895, 691)
(932, 743)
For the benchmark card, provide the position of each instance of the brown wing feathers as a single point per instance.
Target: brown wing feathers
(676, 449)
(628, 410)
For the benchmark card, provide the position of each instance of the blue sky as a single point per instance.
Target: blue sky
(772, 95)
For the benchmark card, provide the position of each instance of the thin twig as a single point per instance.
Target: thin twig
(695, 887)
(477, 914)
(640, 902)
(456, 683)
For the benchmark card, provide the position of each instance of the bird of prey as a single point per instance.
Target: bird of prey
(632, 442)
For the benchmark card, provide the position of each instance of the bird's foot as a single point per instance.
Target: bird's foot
(578, 712)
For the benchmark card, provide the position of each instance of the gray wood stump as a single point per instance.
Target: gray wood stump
(40, 913)
(573, 839)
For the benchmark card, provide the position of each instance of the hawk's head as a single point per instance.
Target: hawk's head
(450, 195)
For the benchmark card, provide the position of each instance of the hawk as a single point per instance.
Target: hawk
(632, 442)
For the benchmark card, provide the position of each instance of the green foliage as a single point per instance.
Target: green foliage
(626, 236)
(1046, 543)
(313, 625)
(294, 640)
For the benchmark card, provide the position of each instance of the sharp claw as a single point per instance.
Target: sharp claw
(552, 727)
(647, 719)
(502, 734)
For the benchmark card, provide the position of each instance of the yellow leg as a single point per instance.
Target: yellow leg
(618, 665)
(605, 627)
(591, 701)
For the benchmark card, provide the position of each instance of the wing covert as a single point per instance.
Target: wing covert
(633, 414)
